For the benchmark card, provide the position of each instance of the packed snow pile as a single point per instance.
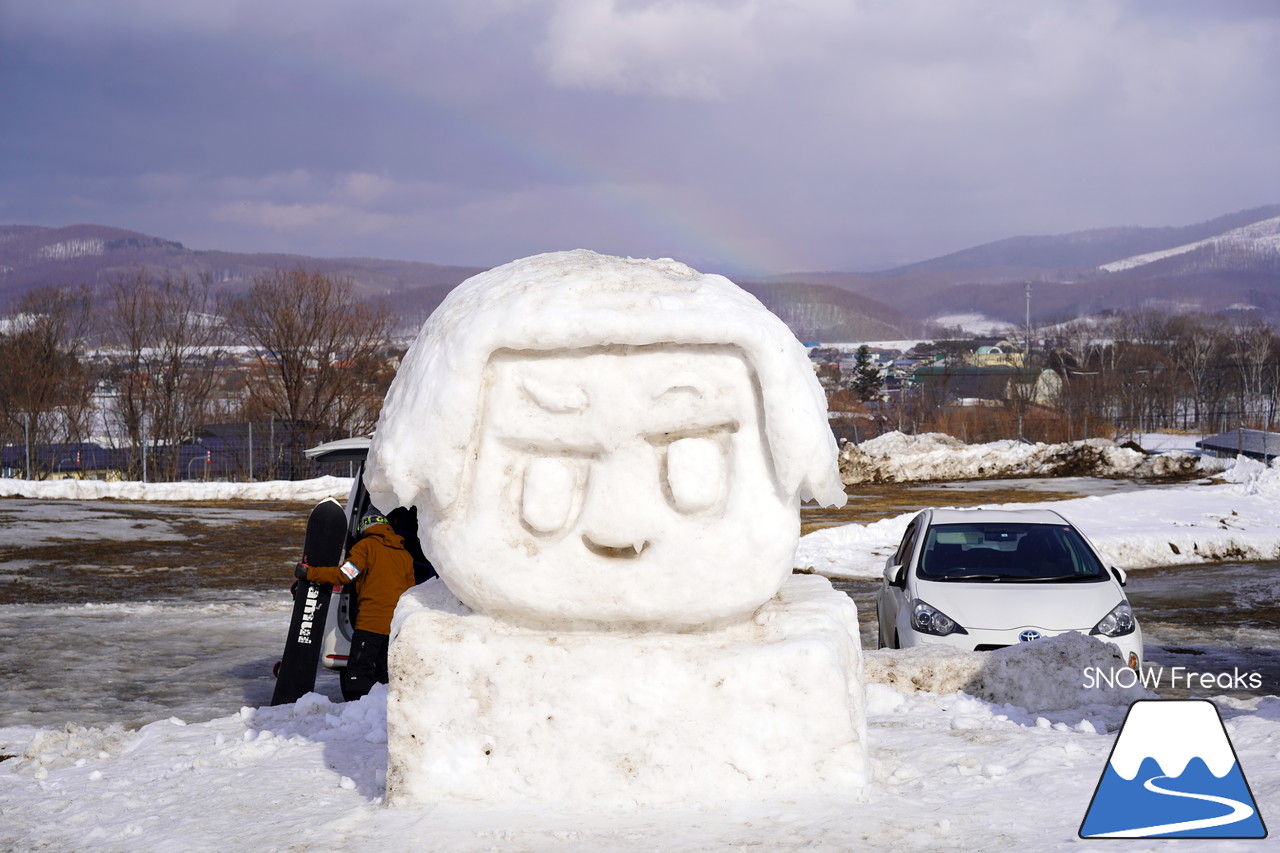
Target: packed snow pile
(933, 668)
(1050, 674)
(1238, 519)
(1056, 673)
(898, 458)
(316, 489)
(484, 713)
(1253, 477)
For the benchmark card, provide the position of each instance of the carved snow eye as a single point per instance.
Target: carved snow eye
(695, 474)
(550, 489)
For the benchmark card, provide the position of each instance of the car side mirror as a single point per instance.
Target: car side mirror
(894, 575)
(1120, 576)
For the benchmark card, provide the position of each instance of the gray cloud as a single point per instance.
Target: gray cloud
(811, 134)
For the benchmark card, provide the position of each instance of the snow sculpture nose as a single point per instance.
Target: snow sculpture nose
(618, 517)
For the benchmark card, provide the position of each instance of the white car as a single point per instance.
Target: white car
(984, 579)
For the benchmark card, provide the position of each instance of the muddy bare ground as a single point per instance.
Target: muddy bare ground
(868, 503)
(252, 545)
(1203, 618)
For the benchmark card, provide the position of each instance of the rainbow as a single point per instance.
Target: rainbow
(698, 231)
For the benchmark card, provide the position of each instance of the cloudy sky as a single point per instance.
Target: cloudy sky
(762, 135)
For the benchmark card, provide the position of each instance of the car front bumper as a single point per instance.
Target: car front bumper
(1129, 647)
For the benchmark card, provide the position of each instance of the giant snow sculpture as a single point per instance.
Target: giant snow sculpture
(607, 456)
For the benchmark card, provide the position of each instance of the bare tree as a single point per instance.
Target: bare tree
(1198, 341)
(1252, 343)
(1077, 355)
(168, 337)
(320, 352)
(44, 386)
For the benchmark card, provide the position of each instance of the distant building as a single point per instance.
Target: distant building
(1253, 443)
(1000, 355)
(68, 461)
(971, 385)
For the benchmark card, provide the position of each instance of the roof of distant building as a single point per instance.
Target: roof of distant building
(1254, 443)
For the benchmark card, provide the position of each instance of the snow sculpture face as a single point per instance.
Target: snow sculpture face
(592, 439)
(620, 485)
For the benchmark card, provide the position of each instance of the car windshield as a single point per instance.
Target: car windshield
(1007, 552)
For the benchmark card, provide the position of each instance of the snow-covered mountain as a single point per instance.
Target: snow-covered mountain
(1227, 264)
(94, 255)
(1261, 240)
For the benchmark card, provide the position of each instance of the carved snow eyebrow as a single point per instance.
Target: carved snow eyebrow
(683, 384)
(558, 399)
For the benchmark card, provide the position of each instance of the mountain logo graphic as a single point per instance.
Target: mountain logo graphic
(1173, 773)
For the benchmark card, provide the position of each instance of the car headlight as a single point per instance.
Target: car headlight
(928, 619)
(1117, 623)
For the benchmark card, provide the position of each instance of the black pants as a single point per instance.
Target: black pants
(366, 664)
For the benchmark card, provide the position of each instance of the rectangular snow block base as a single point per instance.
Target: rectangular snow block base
(483, 712)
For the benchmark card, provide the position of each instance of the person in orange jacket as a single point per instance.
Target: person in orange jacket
(381, 569)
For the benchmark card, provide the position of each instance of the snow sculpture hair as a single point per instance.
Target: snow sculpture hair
(573, 300)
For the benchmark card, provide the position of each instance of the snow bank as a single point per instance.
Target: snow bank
(309, 491)
(896, 458)
(1192, 523)
(1044, 676)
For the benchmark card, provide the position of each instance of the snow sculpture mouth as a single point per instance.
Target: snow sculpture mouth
(625, 552)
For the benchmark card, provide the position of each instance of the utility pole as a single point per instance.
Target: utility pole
(1266, 432)
(26, 439)
(1028, 285)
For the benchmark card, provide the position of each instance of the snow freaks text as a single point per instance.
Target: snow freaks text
(1156, 677)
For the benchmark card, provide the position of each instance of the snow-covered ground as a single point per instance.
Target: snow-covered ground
(951, 771)
(1004, 756)
(974, 324)
(1237, 517)
(848, 346)
(316, 489)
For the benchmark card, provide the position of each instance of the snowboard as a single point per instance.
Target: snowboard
(325, 540)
